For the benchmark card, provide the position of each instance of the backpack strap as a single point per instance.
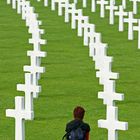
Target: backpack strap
(71, 130)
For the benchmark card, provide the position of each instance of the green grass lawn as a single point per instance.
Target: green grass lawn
(70, 75)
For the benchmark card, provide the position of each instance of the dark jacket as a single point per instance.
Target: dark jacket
(76, 123)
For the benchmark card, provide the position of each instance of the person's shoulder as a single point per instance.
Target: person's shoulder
(70, 125)
(86, 126)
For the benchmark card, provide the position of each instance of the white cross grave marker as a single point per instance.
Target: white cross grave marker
(81, 24)
(93, 5)
(102, 4)
(124, 4)
(112, 124)
(84, 3)
(36, 40)
(31, 20)
(53, 3)
(14, 4)
(69, 9)
(89, 30)
(20, 115)
(137, 28)
(93, 45)
(135, 8)
(24, 9)
(75, 17)
(45, 3)
(75, 1)
(62, 5)
(34, 68)
(130, 20)
(99, 52)
(105, 72)
(121, 15)
(8, 1)
(20, 4)
(28, 94)
(111, 8)
(29, 90)
(109, 95)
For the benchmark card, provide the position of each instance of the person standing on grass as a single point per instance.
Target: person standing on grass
(77, 129)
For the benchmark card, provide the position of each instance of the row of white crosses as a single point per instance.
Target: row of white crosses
(24, 109)
(103, 4)
(84, 2)
(124, 17)
(98, 51)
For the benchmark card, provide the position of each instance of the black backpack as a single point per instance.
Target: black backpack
(75, 134)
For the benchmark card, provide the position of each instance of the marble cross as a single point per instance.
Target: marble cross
(53, 3)
(108, 94)
(20, 4)
(26, 10)
(124, 4)
(111, 9)
(14, 4)
(36, 39)
(35, 69)
(30, 91)
(69, 9)
(45, 3)
(75, 17)
(62, 5)
(137, 28)
(105, 72)
(135, 8)
(121, 15)
(81, 23)
(8, 1)
(102, 4)
(112, 123)
(100, 51)
(75, 1)
(31, 18)
(130, 20)
(93, 5)
(20, 115)
(89, 30)
(84, 3)
(92, 45)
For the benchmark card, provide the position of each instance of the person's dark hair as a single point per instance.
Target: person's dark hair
(78, 112)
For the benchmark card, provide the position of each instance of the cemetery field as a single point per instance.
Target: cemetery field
(70, 77)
